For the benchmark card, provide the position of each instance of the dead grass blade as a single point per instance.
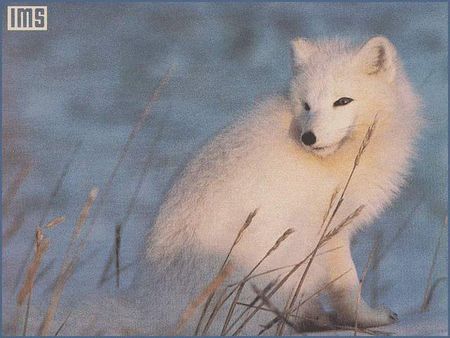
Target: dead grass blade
(330, 206)
(132, 203)
(59, 183)
(84, 213)
(54, 222)
(379, 240)
(45, 270)
(428, 289)
(117, 251)
(41, 246)
(52, 196)
(68, 264)
(256, 275)
(246, 224)
(221, 299)
(239, 235)
(280, 315)
(15, 226)
(400, 230)
(326, 286)
(276, 319)
(361, 282)
(278, 242)
(347, 221)
(139, 124)
(14, 187)
(62, 324)
(203, 296)
(122, 269)
(436, 283)
(270, 294)
(106, 268)
(239, 286)
(54, 300)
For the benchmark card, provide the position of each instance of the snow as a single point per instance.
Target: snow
(89, 77)
(414, 324)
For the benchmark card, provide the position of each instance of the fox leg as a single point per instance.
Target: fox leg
(345, 292)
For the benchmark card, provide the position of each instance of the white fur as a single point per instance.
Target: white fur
(259, 162)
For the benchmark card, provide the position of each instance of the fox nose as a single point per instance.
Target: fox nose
(309, 138)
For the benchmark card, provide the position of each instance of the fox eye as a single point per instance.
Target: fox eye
(306, 106)
(342, 101)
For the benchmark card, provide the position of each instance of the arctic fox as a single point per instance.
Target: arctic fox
(286, 159)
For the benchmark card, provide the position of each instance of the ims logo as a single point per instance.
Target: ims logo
(27, 18)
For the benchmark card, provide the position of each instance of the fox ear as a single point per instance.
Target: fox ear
(378, 56)
(301, 51)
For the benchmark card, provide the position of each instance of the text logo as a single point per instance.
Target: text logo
(27, 18)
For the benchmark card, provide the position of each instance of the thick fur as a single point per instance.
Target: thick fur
(260, 162)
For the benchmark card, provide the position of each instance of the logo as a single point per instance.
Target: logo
(27, 18)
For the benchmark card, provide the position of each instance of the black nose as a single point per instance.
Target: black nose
(309, 138)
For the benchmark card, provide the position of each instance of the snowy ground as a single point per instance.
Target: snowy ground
(90, 76)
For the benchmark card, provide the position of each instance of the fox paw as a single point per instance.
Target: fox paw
(370, 317)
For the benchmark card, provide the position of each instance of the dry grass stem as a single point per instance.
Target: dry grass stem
(330, 206)
(139, 124)
(55, 299)
(252, 306)
(256, 275)
(48, 205)
(436, 283)
(278, 242)
(62, 324)
(270, 289)
(347, 221)
(246, 224)
(279, 330)
(232, 307)
(272, 292)
(132, 203)
(59, 183)
(203, 296)
(106, 268)
(85, 212)
(400, 230)
(118, 238)
(280, 315)
(429, 287)
(143, 175)
(361, 283)
(45, 270)
(15, 226)
(14, 187)
(326, 286)
(221, 299)
(374, 295)
(112, 275)
(241, 231)
(54, 222)
(41, 246)
(68, 265)
(27, 314)
(238, 288)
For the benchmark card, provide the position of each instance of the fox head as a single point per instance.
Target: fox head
(337, 89)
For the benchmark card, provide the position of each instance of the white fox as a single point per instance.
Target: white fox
(286, 159)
